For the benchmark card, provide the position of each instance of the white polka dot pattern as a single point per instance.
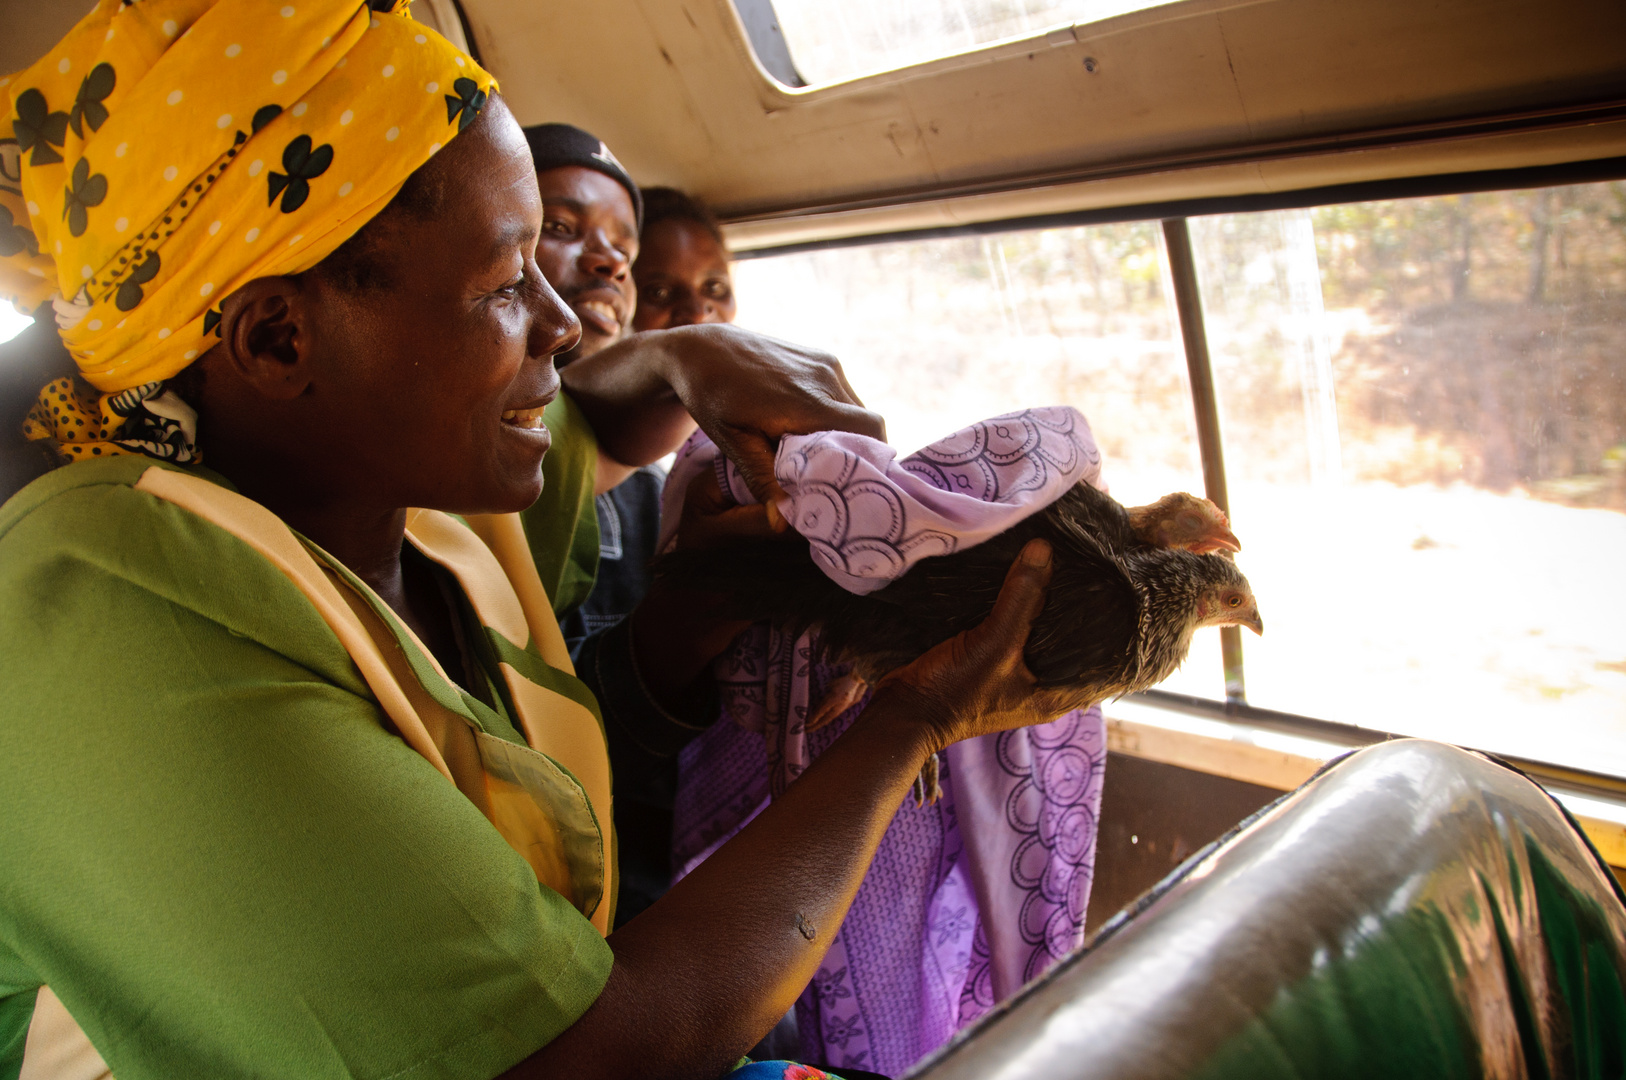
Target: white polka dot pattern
(256, 131)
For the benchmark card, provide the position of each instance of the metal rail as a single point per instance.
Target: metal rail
(1188, 299)
(1547, 773)
(1407, 187)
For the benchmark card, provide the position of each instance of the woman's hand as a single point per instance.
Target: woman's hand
(977, 682)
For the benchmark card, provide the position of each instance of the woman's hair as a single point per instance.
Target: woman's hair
(670, 204)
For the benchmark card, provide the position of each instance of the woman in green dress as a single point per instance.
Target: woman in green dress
(298, 778)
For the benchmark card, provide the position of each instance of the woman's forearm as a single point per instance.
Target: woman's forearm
(701, 975)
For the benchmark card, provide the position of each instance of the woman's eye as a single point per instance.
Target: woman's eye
(659, 294)
(717, 290)
(555, 227)
(513, 287)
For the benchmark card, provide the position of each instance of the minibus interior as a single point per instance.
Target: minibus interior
(1357, 272)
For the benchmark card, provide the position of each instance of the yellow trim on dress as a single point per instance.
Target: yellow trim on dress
(550, 800)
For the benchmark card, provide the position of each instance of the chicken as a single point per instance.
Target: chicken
(1128, 590)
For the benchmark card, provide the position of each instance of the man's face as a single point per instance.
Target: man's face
(589, 240)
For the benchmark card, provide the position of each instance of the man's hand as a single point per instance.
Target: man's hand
(711, 519)
(745, 391)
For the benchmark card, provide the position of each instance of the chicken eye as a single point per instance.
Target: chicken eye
(1235, 601)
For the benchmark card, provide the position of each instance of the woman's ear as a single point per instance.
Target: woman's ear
(265, 339)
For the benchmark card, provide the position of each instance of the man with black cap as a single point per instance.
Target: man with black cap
(592, 214)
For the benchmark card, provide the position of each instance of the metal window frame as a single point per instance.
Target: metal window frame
(1173, 220)
(1595, 171)
(1188, 301)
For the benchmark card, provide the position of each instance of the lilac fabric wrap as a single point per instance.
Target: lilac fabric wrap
(971, 897)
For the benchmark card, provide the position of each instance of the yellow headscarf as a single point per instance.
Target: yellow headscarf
(168, 152)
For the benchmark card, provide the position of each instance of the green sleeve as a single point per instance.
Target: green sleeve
(562, 525)
(214, 852)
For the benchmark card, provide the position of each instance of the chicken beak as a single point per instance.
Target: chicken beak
(1254, 622)
(1217, 539)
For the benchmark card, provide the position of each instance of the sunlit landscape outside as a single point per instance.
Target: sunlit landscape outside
(832, 40)
(1424, 411)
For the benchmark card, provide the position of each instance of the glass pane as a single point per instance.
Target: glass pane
(1424, 410)
(938, 334)
(831, 40)
(12, 321)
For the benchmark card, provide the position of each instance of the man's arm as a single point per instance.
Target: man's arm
(645, 394)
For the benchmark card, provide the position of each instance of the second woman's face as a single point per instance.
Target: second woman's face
(683, 279)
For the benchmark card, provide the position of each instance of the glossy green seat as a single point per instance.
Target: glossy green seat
(1415, 910)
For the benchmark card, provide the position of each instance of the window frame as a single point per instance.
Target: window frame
(1234, 713)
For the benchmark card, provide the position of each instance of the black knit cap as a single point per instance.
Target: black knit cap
(554, 146)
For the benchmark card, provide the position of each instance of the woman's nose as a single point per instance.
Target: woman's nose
(554, 327)
(693, 311)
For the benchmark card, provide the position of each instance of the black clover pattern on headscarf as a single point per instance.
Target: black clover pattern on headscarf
(263, 116)
(304, 164)
(211, 322)
(38, 129)
(85, 189)
(87, 106)
(129, 294)
(467, 104)
(15, 239)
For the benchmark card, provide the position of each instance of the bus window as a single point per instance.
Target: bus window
(834, 40)
(1423, 404)
(937, 334)
(1423, 410)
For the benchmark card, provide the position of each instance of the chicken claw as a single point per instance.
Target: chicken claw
(840, 696)
(927, 789)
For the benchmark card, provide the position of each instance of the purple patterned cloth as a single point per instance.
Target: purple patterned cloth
(870, 517)
(968, 898)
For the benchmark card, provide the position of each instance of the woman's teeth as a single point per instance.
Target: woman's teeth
(530, 419)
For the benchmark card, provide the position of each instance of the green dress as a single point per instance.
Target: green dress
(218, 853)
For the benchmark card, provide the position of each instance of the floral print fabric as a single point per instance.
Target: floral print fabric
(780, 1070)
(167, 152)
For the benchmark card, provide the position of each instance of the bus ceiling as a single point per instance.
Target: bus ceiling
(1173, 104)
(1196, 99)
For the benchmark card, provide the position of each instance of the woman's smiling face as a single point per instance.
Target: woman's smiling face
(424, 385)
(683, 277)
